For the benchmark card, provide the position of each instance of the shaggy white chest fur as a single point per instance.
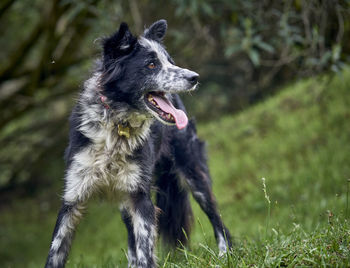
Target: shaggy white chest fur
(106, 163)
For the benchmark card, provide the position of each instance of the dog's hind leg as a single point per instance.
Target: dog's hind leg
(175, 217)
(199, 183)
(191, 161)
(68, 217)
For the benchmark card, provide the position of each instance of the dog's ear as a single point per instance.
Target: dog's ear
(156, 31)
(119, 44)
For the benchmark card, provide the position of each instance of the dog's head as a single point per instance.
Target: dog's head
(140, 73)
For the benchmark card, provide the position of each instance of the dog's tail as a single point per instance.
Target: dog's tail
(175, 218)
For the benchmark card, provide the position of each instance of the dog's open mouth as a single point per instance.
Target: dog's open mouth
(165, 110)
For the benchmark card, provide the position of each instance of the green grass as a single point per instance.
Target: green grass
(298, 140)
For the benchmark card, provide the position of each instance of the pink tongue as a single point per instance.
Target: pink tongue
(179, 115)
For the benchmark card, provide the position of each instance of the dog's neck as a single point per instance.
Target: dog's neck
(97, 115)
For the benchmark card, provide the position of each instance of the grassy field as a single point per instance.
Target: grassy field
(298, 140)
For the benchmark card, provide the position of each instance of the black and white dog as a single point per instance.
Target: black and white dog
(116, 145)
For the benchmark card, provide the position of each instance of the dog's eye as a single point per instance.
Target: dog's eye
(151, 65)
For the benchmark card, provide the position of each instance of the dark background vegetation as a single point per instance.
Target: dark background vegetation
(244, 51)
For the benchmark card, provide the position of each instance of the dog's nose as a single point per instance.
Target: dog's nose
(193, 79)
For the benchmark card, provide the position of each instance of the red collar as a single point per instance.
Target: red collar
(103, 100)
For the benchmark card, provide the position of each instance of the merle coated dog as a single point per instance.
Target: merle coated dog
(129, 131)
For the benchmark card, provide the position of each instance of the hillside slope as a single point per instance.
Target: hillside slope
(299, 141)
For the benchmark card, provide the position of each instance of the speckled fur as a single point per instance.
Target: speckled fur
(106, 162)
(98, 159)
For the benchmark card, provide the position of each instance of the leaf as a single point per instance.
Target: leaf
(207, 9)
(254, 57)
(265, 46)
(325, 58)
(232, 50)
(336, 52)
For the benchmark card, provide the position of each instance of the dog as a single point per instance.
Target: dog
(128, 133)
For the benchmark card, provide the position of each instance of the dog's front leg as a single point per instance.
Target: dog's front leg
(77, 191)
(126, 217)
(142, 214)
(68, 217)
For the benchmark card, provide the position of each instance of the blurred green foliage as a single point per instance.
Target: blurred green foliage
(243, 50)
